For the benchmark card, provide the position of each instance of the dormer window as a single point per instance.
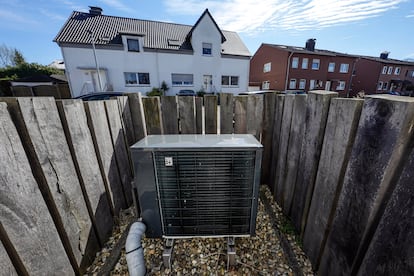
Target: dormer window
(207, 49)
(133, 45)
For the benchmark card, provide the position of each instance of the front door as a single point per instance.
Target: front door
(207, 83)
(328, 85)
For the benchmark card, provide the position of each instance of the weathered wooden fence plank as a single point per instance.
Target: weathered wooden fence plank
(46, 91)
(316, 116)
(384, 130)
(152, 112)
(22, 91)
(277, 124)
(52, 162)
(297, 131)
(226, 113)
(24, 215)
(186, 110)
(101, 135)
(282, 158)
(391, 249)
(120, 148)
(169, 111)
(127, 125)
(137, 115)
(254, 118)
(74, 120)
(340, 132)
(267, 135)
(199, 114)
(240, 114)
(210, 109)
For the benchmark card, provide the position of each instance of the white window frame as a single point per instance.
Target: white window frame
(317, 62)
(331, 67)
(379, 87)
(267, 67)
(344, 68)
(207, 49)
(178, 79)
(389, 72)
(397, 71)
(295, 62)
(305, 62)
(384, 69)
(292, 81)
(139, 77)
(232, 81)
(266, 85)
(341, 85)
(302, 84)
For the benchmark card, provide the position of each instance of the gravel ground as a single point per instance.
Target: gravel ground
(273, 251)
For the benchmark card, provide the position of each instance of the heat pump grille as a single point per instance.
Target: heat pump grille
(205, 193)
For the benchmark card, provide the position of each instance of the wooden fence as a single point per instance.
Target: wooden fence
(340, 168)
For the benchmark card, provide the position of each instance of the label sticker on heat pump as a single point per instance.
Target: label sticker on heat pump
(168, 161)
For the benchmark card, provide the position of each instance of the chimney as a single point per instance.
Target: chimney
(310, 44)
(95, 10)
(384, 55)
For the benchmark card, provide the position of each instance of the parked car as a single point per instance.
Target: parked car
(186, 92)
(258, 92)
(100, 96)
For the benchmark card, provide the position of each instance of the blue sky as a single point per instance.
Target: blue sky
(350, 26)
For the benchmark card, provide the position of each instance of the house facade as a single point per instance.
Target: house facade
(107, 53)
(280, 67)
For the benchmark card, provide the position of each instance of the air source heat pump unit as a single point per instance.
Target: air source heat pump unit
(197, 185)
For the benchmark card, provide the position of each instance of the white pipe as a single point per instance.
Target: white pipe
(134, 250)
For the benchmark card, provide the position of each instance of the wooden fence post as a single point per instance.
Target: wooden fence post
(210, 111)
(101, 136)
(126, 119)
(226, 113)
(53, 167)
(339, 136)
(240, 114)
(137, 115)
(26, 226)
(169, 112)
(199, 114)
(187, 113)
(316, 116)
(384, 131)
(73, 116)
(267, 135)
(254, 112)
(152, 112)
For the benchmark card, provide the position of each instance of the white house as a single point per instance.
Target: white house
(109, 53)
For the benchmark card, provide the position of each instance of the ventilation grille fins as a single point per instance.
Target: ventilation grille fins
(205, 193)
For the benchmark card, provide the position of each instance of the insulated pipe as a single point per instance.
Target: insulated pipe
(134, 250)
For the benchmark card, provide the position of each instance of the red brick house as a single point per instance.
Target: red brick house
(280, 67)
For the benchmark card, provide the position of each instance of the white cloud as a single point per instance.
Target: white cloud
(252, 15)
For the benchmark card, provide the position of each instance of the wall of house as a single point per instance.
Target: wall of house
(366, 76)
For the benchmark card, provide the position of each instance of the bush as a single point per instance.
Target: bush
(154, 92)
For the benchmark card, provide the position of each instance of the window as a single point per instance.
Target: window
(412, 74)
(331, 67)
(344, 68)
(207, 49)
(384, 70)
(312, 84)
(266, 85)
(292, 84)
(182, 79)
(341, 85)
(133, 45)
(379, 85)
(267, 67)
(132, 78)
(397, 70)
(389, 70)
(295, 62)
(315, 64)
(229, 80)
(302, 84)
(305, 63)
(384, 86)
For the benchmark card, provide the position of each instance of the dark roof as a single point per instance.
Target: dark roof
(43, 78)
(157, 35)
(389, 61)
(298, 49)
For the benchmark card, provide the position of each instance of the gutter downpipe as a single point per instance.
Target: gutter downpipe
(134, 250)
(287, 70)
